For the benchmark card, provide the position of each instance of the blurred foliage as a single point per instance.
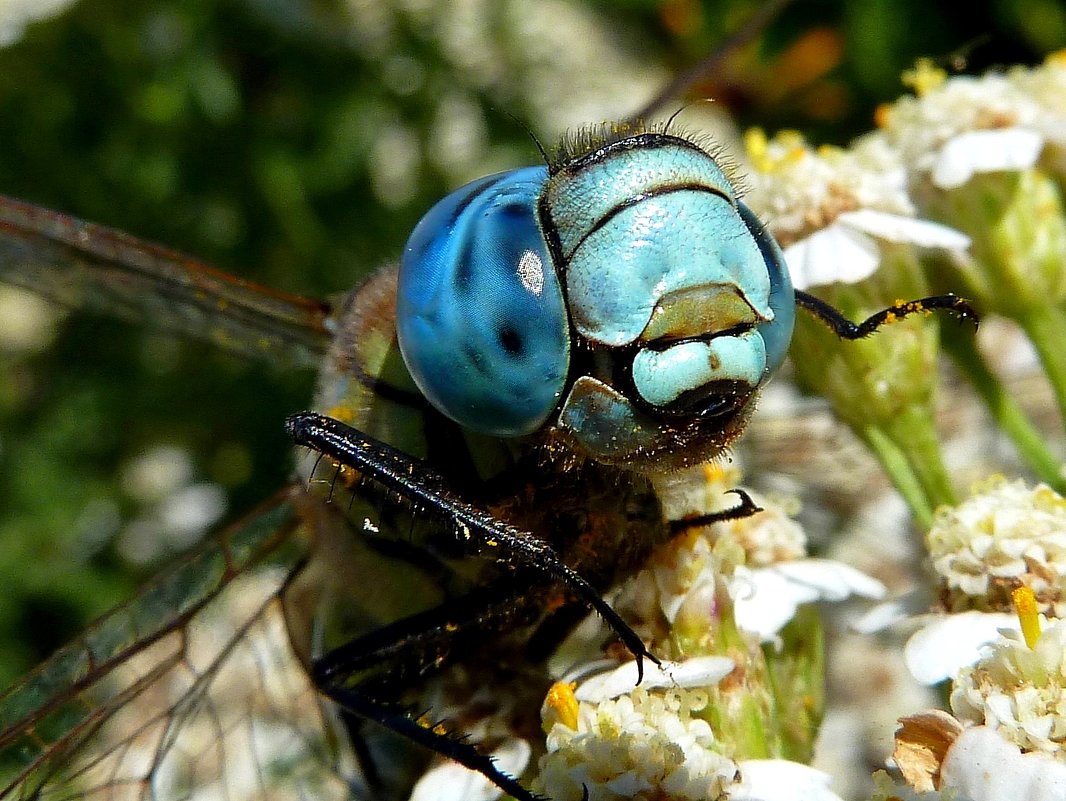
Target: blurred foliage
(292, 143)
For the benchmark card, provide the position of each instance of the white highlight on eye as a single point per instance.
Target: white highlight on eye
(531, 272)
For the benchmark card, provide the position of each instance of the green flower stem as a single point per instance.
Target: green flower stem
(1046, 329)
(1007, 413)
(915, 430)
(894, 459)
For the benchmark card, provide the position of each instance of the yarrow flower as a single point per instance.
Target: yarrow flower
(1004, 536)
(645, 744)
(829, 207)
(954, 128)
(608, 742)
(1020, 691)
(1006, 739)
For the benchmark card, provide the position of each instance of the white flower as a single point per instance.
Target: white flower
(700, 671)
(847, 250)
(617, 741)
(647, 744)
(959, 126)
(982, 766)
(975, 152)
(831, 208)
(941, 759)
(1019, 691)
(1004, 536)
(766, 599)
(780, 780)
(949, 643)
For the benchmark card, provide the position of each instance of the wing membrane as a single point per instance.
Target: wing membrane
(192, 689)
(81, 264)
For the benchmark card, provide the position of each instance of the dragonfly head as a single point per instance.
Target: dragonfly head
(622, 298)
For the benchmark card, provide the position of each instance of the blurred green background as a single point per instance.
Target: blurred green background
(296, 143)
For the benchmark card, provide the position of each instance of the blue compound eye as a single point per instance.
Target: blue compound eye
(776, 334)
(480, 315)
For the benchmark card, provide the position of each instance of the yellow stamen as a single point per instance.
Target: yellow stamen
(713, 472)
(343, 413)
(925, 77)
(563, 702)
(755, 142)
(1025, 607)
(1058, 58)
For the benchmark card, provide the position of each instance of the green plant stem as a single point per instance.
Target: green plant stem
(915, 431)
(1007, 413)
(900, 471)
(1046, 328)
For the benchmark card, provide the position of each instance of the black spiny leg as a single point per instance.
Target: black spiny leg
(418, 483)
(846, 329)
(746, 508)
(368, 675)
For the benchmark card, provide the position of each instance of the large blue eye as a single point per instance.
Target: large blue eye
(480, 315)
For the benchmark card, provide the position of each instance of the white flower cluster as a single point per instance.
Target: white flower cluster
(1019, 691)
(955, 127)
(645, 745)
(1004, 536)
(829, 207)
(801, 189)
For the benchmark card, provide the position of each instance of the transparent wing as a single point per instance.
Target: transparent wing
(192, 689)
(81, 264)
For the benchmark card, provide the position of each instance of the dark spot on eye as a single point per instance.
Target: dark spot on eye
(514, 210)
(511, 340)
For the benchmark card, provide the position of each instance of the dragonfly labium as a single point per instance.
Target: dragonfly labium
(479, 469)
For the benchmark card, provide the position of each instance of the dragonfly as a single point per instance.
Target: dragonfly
(530, 337)
(275, 661)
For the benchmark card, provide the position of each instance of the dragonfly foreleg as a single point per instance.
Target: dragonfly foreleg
(422, 486)
(846, 329)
